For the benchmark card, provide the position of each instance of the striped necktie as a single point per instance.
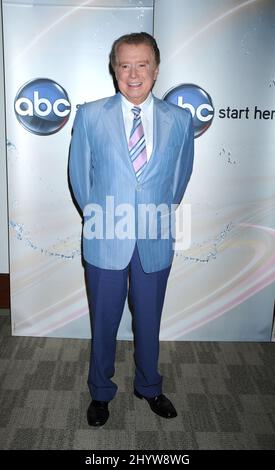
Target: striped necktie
(137, 147)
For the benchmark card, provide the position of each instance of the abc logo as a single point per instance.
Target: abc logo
(42, 106)
(195, 99)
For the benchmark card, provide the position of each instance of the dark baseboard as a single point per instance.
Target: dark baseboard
(4, 291)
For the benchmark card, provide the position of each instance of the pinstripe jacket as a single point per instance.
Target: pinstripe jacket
(113, 202)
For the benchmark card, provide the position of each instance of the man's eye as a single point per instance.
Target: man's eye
(125, 66)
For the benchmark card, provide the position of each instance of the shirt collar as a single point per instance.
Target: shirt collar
(127, 105)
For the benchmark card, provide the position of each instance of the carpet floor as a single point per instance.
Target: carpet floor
(224, 394)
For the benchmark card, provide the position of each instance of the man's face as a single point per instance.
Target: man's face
(135, 71)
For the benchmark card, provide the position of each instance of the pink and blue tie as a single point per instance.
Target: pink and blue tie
(137, 147)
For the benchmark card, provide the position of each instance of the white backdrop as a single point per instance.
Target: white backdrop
(4, 264)
(223, 286)
(69, 45)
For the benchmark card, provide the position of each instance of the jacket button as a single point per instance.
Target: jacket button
(139, 187)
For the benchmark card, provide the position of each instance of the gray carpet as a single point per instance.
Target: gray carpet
(224, 394)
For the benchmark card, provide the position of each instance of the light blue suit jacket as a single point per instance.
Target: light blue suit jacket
(100, 166)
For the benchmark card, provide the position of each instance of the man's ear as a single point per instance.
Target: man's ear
(156, 73)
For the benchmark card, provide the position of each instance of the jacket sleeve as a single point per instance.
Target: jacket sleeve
(184, 164)
(80, 160)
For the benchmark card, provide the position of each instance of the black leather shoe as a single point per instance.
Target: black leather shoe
(160, 405)
(97, 413)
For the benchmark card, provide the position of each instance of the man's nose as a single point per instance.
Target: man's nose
(133, 72)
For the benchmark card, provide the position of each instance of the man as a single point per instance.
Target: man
(131, 150)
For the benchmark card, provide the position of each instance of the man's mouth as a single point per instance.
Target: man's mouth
(135, 84)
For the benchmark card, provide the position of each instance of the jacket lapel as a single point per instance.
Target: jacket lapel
(162, 126)
(114, 126)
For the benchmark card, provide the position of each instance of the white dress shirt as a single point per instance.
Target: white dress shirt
(147, 117)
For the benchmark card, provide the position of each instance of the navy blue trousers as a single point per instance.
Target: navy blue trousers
(107, 291)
